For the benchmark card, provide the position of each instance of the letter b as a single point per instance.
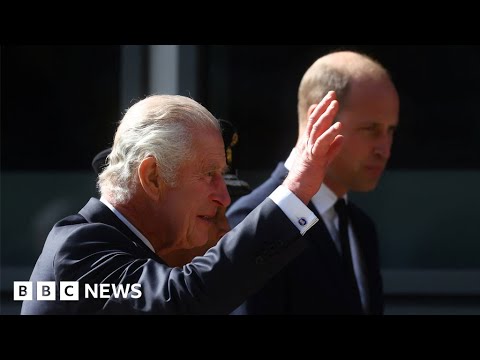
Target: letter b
(22, 290)
(46, 290)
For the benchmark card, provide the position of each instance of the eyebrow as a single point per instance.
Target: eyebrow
(214, 167)
(375, 122)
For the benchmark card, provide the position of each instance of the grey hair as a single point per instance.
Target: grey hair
(162, 126)
(334, 71)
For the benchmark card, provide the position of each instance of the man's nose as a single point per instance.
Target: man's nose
(221, 194)
(383, 146)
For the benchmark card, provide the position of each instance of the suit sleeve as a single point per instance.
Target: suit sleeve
(216, 283)
(272, 299)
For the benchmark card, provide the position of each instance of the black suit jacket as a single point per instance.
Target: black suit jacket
(95, 247)
(312, 283)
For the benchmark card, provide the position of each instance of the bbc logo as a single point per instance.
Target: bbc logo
(45, 290)
(69, 291)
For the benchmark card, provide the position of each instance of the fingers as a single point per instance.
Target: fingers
(334, 148)
(323, 133)
(319, 111)
(315, 150)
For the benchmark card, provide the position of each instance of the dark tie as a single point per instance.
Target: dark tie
(342, 211)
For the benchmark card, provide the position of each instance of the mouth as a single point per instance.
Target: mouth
(375, 169)
(207, 218)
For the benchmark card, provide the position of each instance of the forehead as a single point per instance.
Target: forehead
(209, 148)
(376, 101)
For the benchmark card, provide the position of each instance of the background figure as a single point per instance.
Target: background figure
(159, 193)
(335, 278)
(99, 161)
(235, 186)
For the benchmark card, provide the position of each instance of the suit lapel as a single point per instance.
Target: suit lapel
(323, 248)
(320, 236)
(364, 237)
(362, 233)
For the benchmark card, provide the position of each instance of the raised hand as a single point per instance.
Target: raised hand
(321, 143)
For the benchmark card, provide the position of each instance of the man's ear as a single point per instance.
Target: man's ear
(148, 174)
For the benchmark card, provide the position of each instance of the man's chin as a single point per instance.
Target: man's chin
(198, 242)
(365, 187)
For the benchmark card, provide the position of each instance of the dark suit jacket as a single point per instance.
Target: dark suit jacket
(312, 283)
(94, 247)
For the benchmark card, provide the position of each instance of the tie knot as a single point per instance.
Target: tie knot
(340, 206)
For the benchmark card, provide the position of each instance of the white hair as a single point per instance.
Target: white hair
(161, 126)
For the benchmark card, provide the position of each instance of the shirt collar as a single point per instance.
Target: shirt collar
(128, 223)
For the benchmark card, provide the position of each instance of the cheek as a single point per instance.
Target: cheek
(356, 147)
(350, 159)
(223, 225)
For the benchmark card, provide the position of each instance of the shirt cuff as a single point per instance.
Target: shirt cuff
(298, 213)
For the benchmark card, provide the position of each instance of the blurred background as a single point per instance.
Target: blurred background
(60, 106)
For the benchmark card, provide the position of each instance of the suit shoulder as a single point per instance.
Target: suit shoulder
(91, 238)
(92, 235)
(93, 246)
